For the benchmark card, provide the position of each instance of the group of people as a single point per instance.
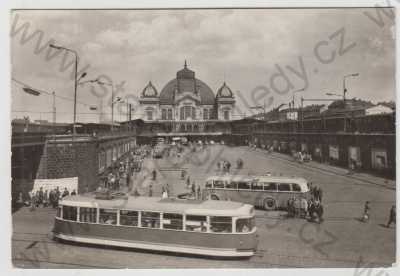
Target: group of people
(45, 198)
(367, 213)
(224, 166)
(311, 209)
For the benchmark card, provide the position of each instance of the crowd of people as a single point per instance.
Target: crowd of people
(44, 198)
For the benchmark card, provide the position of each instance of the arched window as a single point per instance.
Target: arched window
(226, 114)
(187, 112)
(206, 114)
(149, 113)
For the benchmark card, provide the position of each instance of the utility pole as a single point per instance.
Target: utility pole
(54, 108)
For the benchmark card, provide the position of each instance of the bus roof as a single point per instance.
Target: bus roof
(285, 179)
(165, 205)
(232, 177)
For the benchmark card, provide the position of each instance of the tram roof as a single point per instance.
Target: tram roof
(165, 205)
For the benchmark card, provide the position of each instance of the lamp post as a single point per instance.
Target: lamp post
(344, 85)
(75, 79)
(262, 107)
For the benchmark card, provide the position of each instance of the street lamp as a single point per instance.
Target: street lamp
(344, 84)
(75, 78)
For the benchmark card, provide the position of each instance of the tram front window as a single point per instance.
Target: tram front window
(70, 213)
(150, 219)
(221, 224)
(244, 225)
(108, 216)
(87, 214)
(128, 218)
(196, 223)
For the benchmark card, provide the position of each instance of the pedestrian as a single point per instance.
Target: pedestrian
(65, 193)
(188, 181)
(198, 192)
(311, 209)
(304, 207)
(40, 196)
(392, 216)
(320, 194)
(73, 192)
(150, 191)
(154, 173)
(193, 188)
(45, 198)
(367, 208)
(319, 211)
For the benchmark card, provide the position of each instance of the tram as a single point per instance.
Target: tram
(198, 227)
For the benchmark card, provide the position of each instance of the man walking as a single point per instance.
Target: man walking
(392, 216)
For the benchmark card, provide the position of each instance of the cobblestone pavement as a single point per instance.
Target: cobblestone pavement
(340, 241)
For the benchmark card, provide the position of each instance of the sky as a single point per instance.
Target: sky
(262, 54)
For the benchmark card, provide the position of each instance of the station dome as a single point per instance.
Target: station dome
(149, 91)
(186, 82)
(224, 92)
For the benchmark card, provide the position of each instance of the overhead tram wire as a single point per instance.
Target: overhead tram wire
(48, 93)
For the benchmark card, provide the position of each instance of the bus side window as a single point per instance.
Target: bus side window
(196, 223)
(296, 187)
(231, 185)
(218, 184)
(244, 185)
(209, 184)
(108, 216)
(172, 221)
(221, 224)
(150, 219)
(284, 187)
(269, 186)
(70, 213)
(257, 186)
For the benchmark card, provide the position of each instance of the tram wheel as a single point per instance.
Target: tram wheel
(269, 204)
(214, 197)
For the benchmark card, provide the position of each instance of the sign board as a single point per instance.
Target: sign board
(334, 152)
(71, 183)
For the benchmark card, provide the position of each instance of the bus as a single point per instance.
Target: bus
(267, 192)
(198, 227)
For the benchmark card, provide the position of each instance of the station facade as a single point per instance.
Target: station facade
(186, 104)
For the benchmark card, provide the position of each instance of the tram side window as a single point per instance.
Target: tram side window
(284, 187)
(70, 213)
(296, 187)
(150, 219)
(221, 224)
(129, 218)
(244, 185)
(269, 186)
(196, 223)
(218, 184)
(172, 221)
(231, 185)
(87, 214)
(108, 216)
(58, 212)
(244, 225)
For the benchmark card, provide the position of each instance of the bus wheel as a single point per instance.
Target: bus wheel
(269, 204)
(214, 197)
